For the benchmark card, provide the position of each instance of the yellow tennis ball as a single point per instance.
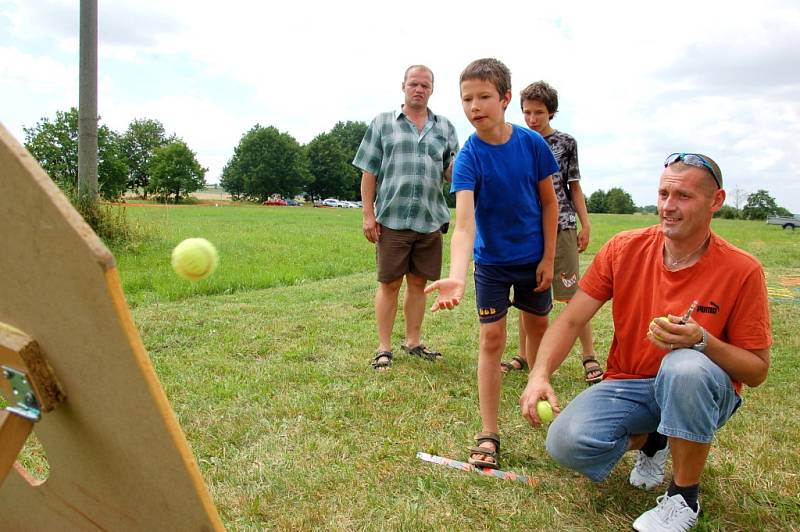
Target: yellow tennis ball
(545, 411)
(195, 259)
(657, 337)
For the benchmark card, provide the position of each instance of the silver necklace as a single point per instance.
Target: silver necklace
(672, 263)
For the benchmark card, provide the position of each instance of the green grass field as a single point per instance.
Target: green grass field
(267, 367)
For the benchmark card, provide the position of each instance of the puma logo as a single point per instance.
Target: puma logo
(713, 309)
(569, 282)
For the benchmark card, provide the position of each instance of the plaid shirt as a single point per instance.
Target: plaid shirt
(408, 166)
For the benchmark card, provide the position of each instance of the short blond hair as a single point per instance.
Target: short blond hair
(417, 67)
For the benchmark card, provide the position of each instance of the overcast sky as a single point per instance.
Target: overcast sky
(636, 80)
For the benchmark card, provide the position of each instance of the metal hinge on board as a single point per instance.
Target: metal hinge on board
(27, 406)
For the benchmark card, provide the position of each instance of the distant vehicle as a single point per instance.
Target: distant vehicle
(293, 203)
(787, 222)
(275, 202)
(348, 204)
(331, 202)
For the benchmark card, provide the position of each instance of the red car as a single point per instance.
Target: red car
(275, 201)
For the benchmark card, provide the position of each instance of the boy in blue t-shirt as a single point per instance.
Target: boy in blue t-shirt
(506, 209)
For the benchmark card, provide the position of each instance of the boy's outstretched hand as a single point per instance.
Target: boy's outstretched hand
(450, 293)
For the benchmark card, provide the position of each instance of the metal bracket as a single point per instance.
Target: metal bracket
(27, 406)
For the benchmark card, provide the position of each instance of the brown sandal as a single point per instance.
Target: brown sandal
(596, 367)
(509, 366)
(423, 352)
(486, 437)
(382, 360)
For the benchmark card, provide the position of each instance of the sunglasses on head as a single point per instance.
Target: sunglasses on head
(692, 159)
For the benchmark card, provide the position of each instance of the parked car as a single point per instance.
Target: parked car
(348, 204)
(276, 202)
(331, 202)
(293, 203)
(787, 222)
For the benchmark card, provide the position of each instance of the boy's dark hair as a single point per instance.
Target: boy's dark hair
(491, 70)
(541, 91)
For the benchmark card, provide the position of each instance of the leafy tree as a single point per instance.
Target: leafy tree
(327, 161)
(174, 171)
(597, 202)
(112, 170)
(619, 202)
(266, 162)
(728, 213)
(139, 143)
(232, 181)
(54, 144)
(759, 206)
(349, 135)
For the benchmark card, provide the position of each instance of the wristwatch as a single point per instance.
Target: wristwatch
(703, 343)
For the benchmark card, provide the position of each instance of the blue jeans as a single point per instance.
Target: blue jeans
(690, 398)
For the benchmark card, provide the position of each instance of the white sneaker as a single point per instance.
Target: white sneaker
(671, 514)
(649, 470)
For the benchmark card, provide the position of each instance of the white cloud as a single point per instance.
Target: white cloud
(636, 80)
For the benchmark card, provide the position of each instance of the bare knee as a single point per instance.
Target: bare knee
(414, 282)
(535, 325)
(391, 288)
(493, 337)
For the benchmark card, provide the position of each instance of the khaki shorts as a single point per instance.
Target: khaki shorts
(565, 269)
(400, 252)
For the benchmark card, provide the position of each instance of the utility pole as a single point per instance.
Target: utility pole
(87, 101)
(739, 197)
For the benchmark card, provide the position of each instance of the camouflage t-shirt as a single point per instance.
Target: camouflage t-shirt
(565, 150)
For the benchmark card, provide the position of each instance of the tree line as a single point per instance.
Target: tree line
(266, 162)
(758, 205)
(143, 159)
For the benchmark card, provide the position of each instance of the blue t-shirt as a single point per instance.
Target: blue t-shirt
(504, 178)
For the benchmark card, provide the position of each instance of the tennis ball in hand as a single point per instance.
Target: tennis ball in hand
(657, 337)
(545, 411)
(195, 259)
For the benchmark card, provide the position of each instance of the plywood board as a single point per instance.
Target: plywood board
(118, 458)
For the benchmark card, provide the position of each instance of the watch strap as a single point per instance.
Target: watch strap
(701, 345)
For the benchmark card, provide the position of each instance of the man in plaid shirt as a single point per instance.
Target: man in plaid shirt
(404, 156)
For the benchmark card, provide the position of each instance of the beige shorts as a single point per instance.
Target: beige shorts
(565, 269)
(400, 252)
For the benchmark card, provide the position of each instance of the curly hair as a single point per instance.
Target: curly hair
(541, 91)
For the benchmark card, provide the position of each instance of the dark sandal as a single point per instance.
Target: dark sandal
(382, 360)
(484, 437)
(422, 352)
(590, 370)
(509, 366)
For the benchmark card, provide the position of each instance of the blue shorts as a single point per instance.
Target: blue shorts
(493, 286)
(690, 398)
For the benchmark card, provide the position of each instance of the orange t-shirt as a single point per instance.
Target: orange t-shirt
(727, 282)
